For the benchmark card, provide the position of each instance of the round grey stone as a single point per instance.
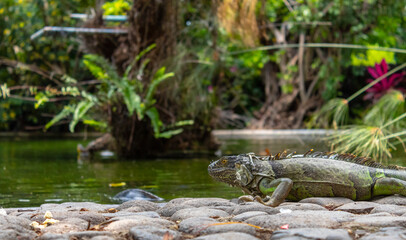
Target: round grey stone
(389, 208)
(138, 206)
(244, 216)
(91, 217)
(381, 221)
(302, 219)
(198, 212)
(72, 206)
(301, 206)
(123, 224)
(13, 222)
(393, 199)
(102, 238)
(169, 209)
(228, 227)
(209, 202)
(10, 234)
(227, 236)
(195, 225)
(54, 236)
(387, 233)
(327, 202)
(312, 233)
(89, 234)
(153, 233)
(360, 207)
(67, 225)
(178, 201)
(253, 206)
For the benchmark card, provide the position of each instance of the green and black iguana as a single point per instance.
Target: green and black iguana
(272, 179)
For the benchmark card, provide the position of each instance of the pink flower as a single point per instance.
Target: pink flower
(210, 89)
(382, 87)
(233, 69)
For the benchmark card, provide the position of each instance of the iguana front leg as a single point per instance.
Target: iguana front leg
(279, 188)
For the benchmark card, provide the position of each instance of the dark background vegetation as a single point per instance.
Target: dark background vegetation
(230, 66)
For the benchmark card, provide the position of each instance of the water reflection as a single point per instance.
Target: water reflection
(44, 171)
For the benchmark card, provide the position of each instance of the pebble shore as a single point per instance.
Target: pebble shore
(209, 219)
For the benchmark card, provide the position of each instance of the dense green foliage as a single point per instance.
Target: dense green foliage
(39, 63)
(113, 90)
(235, 64)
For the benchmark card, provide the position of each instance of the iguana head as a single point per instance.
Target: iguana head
(233, 170)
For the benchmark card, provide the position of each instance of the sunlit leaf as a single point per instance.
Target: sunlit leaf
(95, 123)
(66, 111)
(160, 76)
(120, 184)
(41, 99)
(184, 123)
(80, 110)
(170, 133)
(132, 100)
(137, 58)
(156, 123)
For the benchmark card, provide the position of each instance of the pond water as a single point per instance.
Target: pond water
(39, 171)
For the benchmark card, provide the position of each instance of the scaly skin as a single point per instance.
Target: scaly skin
(270, 180)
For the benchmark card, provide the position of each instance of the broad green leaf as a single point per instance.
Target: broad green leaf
(101, 68)
(158, 78)
(95, 123)
(156, 123)
(184, 123)
(111, 92)
(141, 69)
(137, 58)
(170, 133)
(143, 52)
(97, 71)
(66, 111)
(79, 112)
(68, 79)
(5, 92)
(140, 72)
(132, 100)
(41, 99)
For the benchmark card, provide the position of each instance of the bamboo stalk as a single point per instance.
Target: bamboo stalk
(376, 81)
(112, 18)
(321, 45)
(78, 30)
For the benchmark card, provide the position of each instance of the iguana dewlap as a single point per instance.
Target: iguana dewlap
(272, 179)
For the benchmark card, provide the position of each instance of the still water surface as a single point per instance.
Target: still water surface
(33, 172)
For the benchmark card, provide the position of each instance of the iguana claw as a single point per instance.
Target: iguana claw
(245, 198)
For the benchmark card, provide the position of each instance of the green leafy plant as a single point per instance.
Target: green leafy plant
(371, 57)
(138, 99)
(116, 7)
(390, 106)
(382, 129)
(40, 63)
(338, 107)
(334, 111)
(376, 142)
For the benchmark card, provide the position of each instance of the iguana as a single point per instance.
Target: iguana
(272, 179)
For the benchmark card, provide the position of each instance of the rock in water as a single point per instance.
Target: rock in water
(105, 142)
(135, 194)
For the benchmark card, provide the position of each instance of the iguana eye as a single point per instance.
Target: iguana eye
(224, 161)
